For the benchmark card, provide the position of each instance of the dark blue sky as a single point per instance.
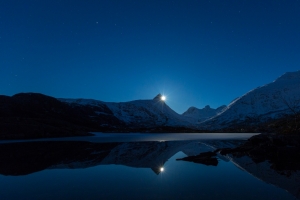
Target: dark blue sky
(196, 52)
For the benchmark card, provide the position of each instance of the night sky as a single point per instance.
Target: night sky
(195, 52)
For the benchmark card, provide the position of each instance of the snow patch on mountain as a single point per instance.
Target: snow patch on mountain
(84, 102)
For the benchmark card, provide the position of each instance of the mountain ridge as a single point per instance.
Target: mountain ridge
(140, 113)
(271, 107)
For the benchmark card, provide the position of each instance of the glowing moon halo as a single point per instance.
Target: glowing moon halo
(162, 169)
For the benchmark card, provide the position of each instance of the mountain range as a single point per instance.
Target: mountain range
(31, 115)
(262, 104)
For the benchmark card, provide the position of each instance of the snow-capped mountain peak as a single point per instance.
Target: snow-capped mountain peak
(158, 97)
(198, 115)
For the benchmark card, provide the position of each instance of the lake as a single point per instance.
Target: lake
(136, 166)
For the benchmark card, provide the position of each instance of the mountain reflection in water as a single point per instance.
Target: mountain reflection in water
(28, 157)
(24, 158)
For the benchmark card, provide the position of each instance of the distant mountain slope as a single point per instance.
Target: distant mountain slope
(273, 100)
(140, 113)
(197, 115)
(97, 111)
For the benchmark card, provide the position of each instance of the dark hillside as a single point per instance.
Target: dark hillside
(33, 115)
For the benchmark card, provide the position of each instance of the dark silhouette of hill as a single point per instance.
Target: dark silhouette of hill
(33, 115)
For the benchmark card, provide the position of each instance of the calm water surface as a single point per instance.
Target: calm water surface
(74, 169)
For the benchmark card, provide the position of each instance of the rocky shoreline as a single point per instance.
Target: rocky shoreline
(281, 151)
